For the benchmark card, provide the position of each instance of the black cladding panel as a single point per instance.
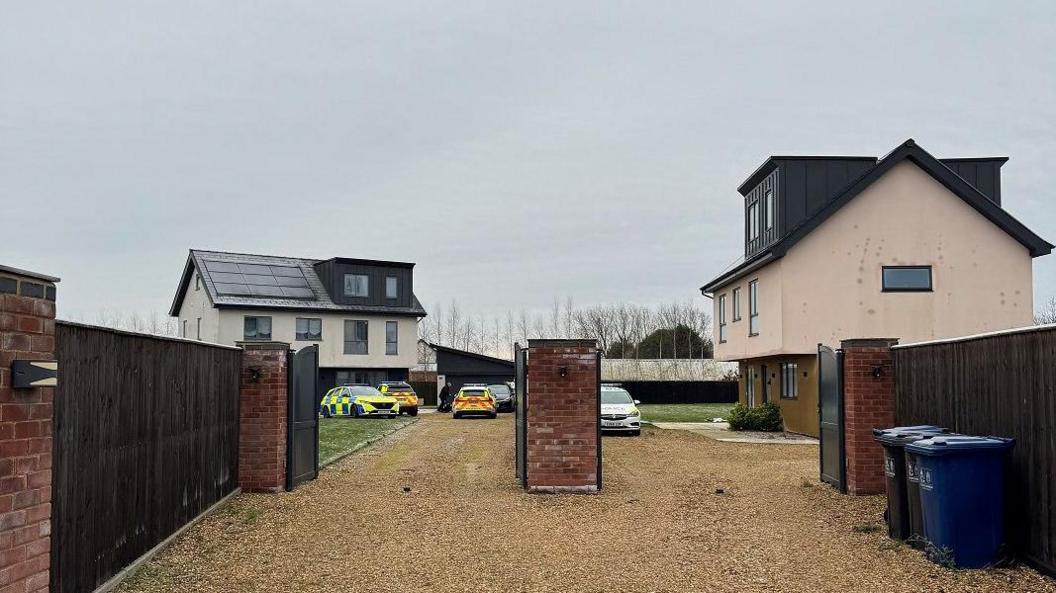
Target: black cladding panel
(984, 174)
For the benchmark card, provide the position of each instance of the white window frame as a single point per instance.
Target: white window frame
(753, 308)
(749, 386)
(789, 380)
(722, 318)
(737, 304)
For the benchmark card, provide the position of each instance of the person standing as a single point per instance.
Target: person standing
(442, 404)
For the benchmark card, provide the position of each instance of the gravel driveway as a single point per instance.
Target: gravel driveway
(658, 525)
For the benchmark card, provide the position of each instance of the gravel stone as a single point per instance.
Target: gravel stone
(466, 526)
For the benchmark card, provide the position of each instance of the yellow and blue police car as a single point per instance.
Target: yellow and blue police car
(358, 401)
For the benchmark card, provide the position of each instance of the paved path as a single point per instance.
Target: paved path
(660, 524)
(720, 431)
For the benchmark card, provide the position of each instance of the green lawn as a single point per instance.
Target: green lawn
(684, 412)
(338, 435)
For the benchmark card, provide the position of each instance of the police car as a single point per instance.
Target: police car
(357, 401)
(619, 411)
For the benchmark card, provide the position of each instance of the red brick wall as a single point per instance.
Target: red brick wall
(562, 422)
(262, 434)
(27, 331)
(869, 402)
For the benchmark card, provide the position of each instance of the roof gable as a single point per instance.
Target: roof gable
(908, 150)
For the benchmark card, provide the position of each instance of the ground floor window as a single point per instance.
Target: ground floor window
(789, 380)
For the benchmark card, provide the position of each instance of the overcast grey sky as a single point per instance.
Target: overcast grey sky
(516, 151)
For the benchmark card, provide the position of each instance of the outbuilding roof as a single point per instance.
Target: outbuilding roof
(296, 284)
(907, 150)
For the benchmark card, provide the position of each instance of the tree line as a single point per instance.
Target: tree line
(672, 330)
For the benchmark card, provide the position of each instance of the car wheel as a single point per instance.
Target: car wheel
(412, 412)
(326, 412)
(355, 411)
(493, 415)
(456, 415)
(636, 433)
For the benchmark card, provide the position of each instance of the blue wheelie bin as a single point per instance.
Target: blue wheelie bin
(962, 497)
(901, 501)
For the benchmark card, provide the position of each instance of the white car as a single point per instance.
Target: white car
(619, 411)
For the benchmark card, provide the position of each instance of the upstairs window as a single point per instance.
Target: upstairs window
(753, 308)
(768, 209)
(355, 336)
(392, 338)
(722, 318)
(357, 285)
(392, 287)
(737, 304)
(309, 329)
(753, 221)
(256, 328)
(907, 279)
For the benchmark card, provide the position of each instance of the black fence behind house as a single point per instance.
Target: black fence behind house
(682, 392)
(1005, 385)
(145, 439)
(426, 391)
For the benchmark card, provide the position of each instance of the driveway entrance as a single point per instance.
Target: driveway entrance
(679, 512)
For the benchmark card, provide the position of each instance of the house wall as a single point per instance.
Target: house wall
(800, 414)
(331, 348)
(828, 286)
(196, 304)
(739, 344)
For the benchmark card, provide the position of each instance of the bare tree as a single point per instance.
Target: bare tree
(1046, 313)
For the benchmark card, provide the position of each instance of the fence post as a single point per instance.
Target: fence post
(869, 402)
(563, 436)
(27, 332)
(262, 414)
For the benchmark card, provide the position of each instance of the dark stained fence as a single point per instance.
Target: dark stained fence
(1003, 385)
(426, 391)
(146, 438)
(682, 392)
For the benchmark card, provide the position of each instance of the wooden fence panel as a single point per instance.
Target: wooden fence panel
(146, 438)
(1003, 385)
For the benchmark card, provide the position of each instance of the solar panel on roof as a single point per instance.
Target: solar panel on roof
(220, 266)
(232, 289)
(287, 271)
(254, 269)
(258, 280)
(298, 293)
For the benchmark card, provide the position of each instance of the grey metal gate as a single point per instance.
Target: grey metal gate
(302, 439)
(833, 460)
(520, 358)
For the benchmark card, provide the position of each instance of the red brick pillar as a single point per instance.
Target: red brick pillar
(869, 402)
(563, 447)
(27, 332)
(262, 412)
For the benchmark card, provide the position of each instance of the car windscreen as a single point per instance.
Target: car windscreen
(499, 390)
(616, 396)
(368, 391)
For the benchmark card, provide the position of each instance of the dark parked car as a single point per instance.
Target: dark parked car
(504, 401)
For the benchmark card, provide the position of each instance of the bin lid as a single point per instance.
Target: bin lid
(902, 435)
(953, 444)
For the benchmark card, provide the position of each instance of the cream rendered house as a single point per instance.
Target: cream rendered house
(361, 313)
(906, 246)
